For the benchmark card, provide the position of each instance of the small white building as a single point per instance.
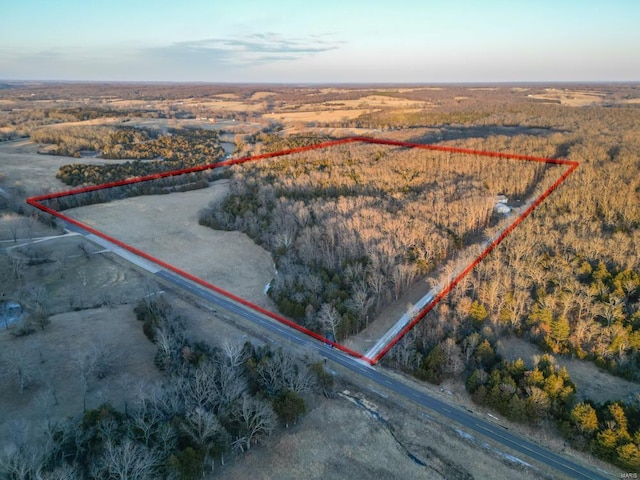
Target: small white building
(501, 205)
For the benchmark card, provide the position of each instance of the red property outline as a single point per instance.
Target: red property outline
(572, 165)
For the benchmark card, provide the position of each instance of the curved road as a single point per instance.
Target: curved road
(467, 420)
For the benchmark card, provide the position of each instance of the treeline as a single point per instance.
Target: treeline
(80, 114)
(268, 142)
(354, 226)
(25, 119)
(215, 403)
(71, 141)
(163, 186)
(181, 145)
(190, 146)
(177, 150)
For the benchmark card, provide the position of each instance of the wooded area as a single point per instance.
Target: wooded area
(175, 150)
(352, 227)
(215, 403)
(568, 278)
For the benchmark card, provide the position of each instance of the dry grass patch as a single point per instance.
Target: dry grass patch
(261, 95)
(166, 227)
(571, 98)
(591, 382)
(85, 123)
(233, 105)
(384, 101)
(318, 116)
(226, 95)
(35, 173)
(129, 103)
(338, 439)
(51, 358)
(72, 274)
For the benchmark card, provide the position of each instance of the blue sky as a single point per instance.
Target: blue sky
(427, 41)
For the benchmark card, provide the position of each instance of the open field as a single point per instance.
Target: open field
(316, 115)
(28, 170)
(52, 358)
(167, 227)
(71, 274)
(33, 173)
(338, 439)
(571, 98)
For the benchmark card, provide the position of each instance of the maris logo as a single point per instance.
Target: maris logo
(629, 476)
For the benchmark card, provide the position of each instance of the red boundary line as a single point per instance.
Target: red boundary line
(36, 202)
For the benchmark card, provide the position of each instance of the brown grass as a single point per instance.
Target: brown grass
(58, 389)
(591, 382)
(317, 116)
(571, 98)
(338, 439)
(166, 226)
(261, 95)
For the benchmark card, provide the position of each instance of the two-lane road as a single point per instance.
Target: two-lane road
(469, 421)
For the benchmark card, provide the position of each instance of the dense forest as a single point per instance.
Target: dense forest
(352, 227)
(567, 279)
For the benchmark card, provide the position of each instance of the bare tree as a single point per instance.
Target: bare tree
(63, 472)
(145, 422)
(453, 358)
(281, 372)
(230, 384)
(12, 225)
(94, 362)
(20, 463)
(273, 370)
(256, 418)
(19, 368)
(37, 299)
(330, 318)
(199, 389)
(202, 426)
(126, 461)
(234, 354)
(361, 302)
(18, 265)
(404, 352)
(301, 380)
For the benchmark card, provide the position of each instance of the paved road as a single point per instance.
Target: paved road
(471, 422)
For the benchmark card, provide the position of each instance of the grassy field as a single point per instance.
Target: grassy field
(166, 227)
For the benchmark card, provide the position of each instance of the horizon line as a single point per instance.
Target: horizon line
(315, 84)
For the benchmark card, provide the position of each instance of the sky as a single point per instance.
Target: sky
(320, 41)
